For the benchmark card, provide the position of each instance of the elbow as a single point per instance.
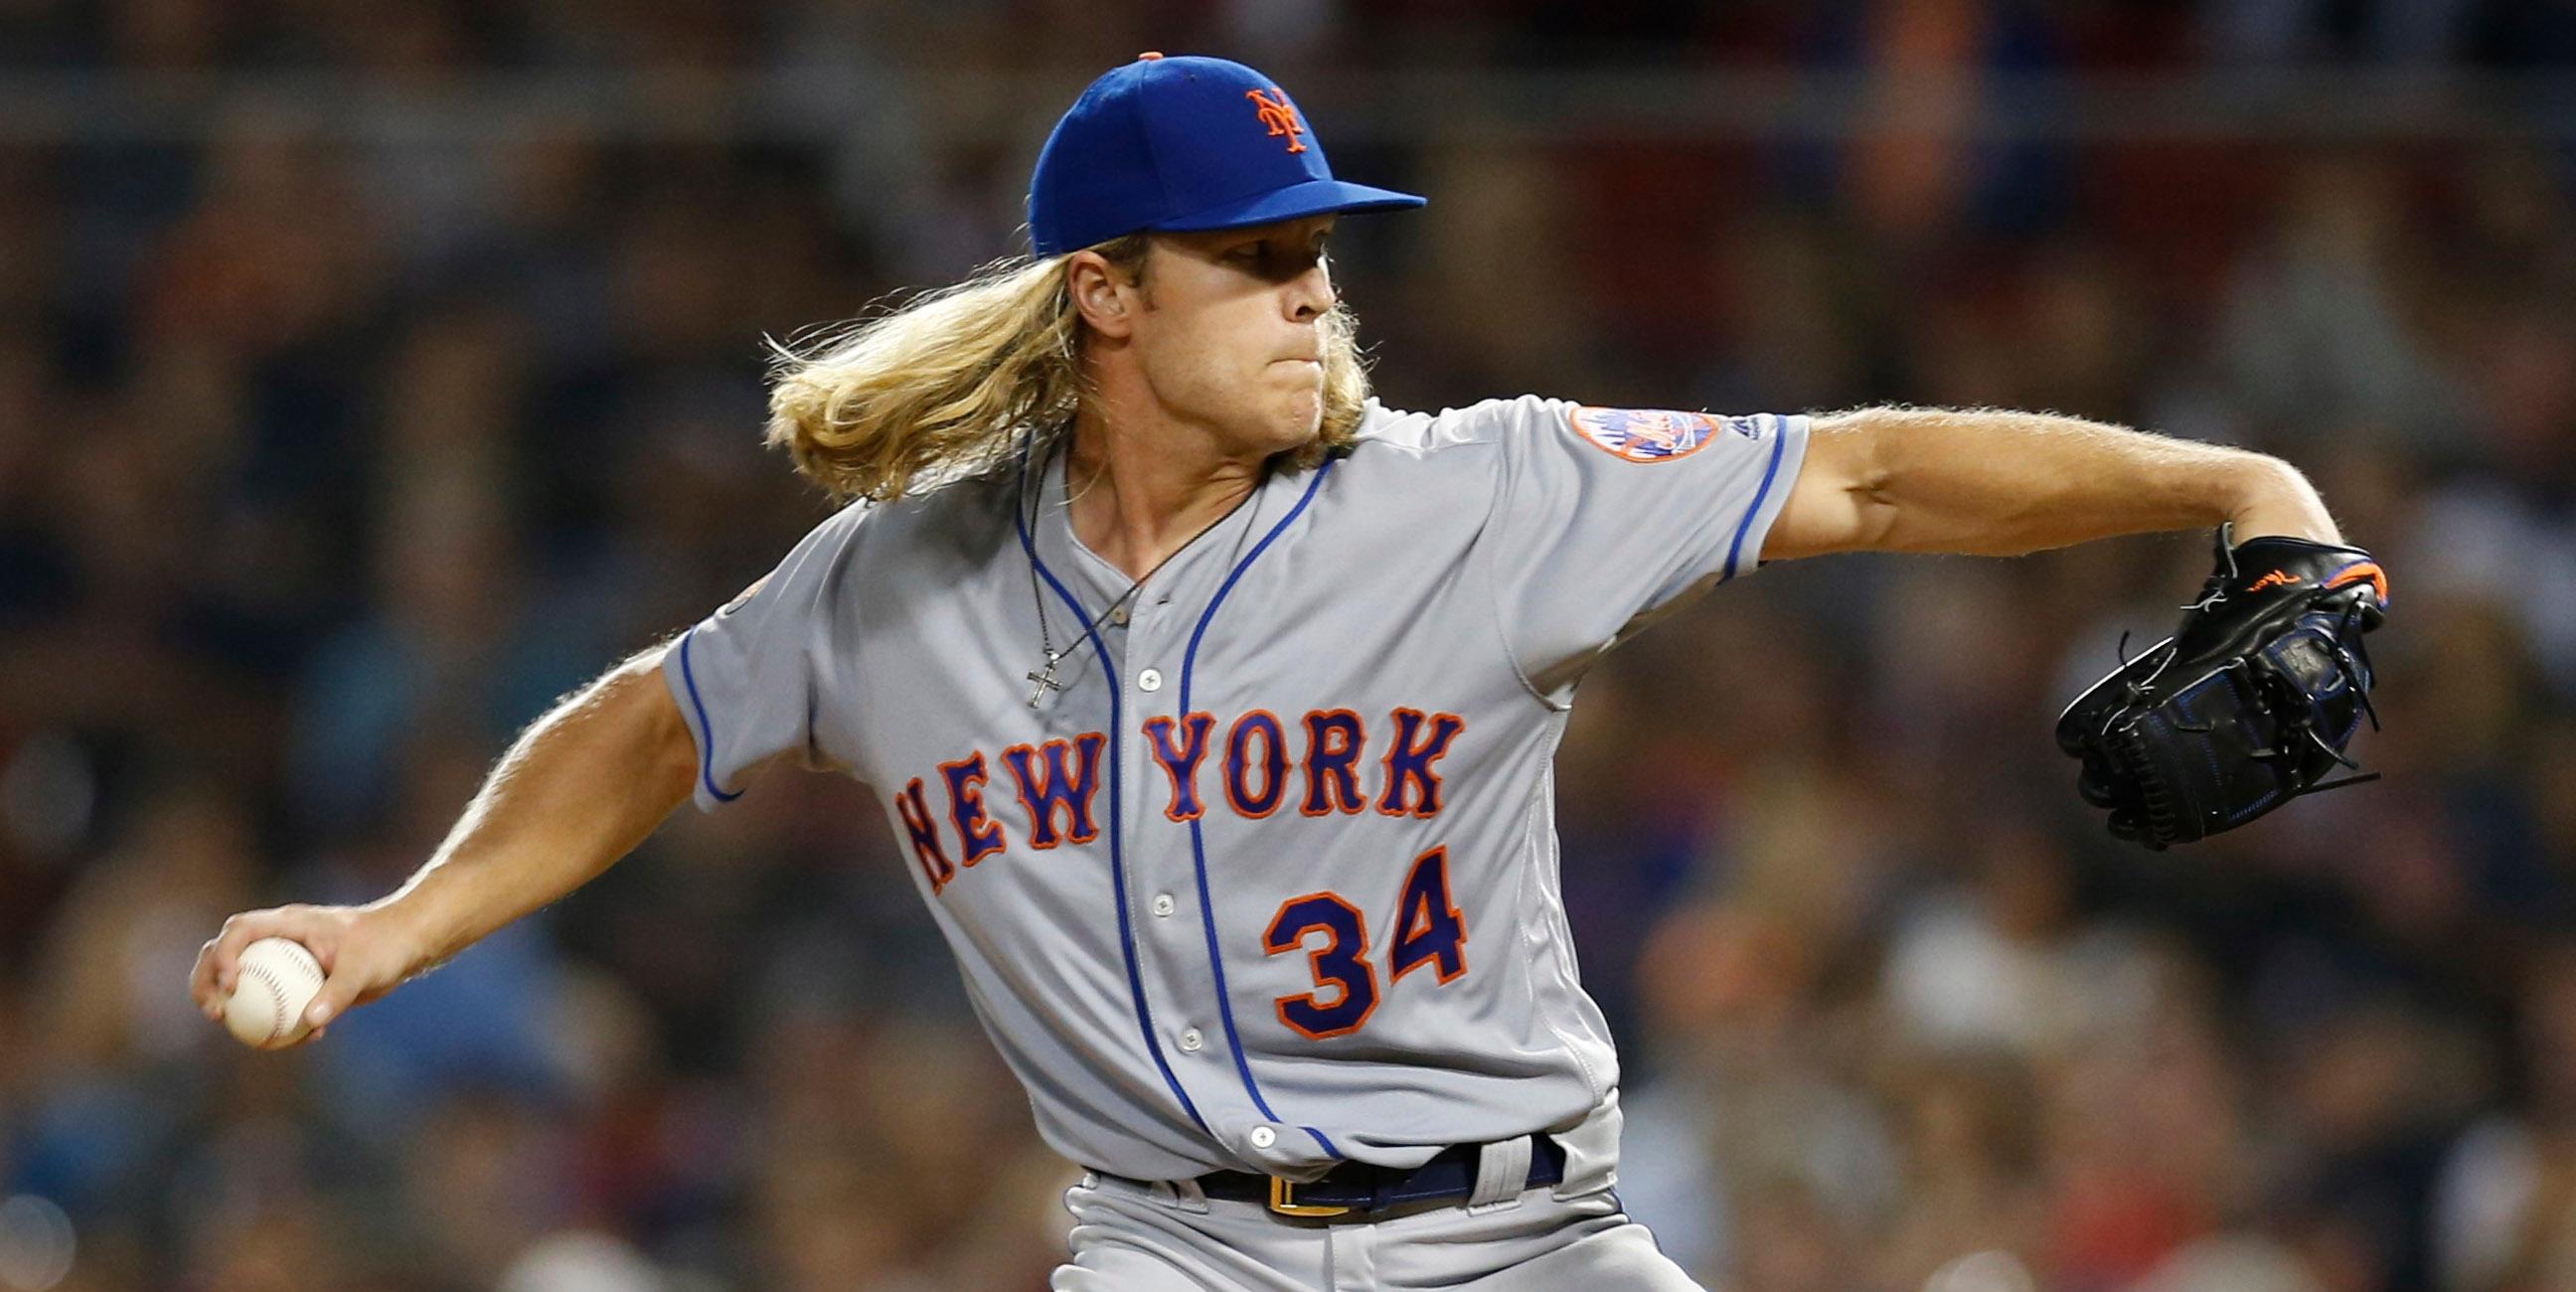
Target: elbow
(1878, 523)
(1865, 446)
(1873, 499)
(1841, 500)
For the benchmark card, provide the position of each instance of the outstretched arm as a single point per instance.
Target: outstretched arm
(1994, 483)
(580, 788)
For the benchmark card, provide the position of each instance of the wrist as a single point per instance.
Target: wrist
(404, 920)
(2267, 496)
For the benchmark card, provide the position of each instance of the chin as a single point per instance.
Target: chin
(1300, 427)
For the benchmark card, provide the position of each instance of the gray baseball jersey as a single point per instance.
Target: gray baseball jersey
(1269, 878)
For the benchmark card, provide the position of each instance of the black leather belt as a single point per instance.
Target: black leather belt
(1365, 1187)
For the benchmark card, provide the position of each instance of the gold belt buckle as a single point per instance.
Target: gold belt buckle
(1283, 1200)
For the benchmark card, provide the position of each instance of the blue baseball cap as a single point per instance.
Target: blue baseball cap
(1176, 144)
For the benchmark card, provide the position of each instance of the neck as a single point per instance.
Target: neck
(1143, 486)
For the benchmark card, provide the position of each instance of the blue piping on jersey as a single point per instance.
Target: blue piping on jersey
(1117, 866)
(1198, 846)
(1779, 444)
(707, 754)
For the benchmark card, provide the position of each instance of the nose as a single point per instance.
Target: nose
(1311, 293)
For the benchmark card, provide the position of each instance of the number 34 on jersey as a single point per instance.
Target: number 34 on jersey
(1255, 774)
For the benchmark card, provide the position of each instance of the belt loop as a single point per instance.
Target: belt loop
(1502, 1171)
(1190, 1197)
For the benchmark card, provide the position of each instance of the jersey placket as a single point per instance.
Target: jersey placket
(1109, 642)
(1167, 895)
(1177, 935)
(1191, 644)
(1178, 957)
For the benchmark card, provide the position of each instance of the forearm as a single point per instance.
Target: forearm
(1999, 483)
(579, 789)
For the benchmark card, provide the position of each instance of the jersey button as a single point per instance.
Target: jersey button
(1118, 615)
(1190, 1040)
(1264, 1137)
(1163, 904)
(1150, 680)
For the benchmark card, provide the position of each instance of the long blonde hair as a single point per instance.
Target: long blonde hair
(944, 386)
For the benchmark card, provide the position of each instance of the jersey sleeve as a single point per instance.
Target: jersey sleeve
(744, 677)
(1604, 517)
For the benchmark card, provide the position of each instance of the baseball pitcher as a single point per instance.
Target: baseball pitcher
(1212, 703)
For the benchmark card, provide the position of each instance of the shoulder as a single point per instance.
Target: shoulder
(973, 510)
(1469, 445)
(1405, 467)
(1480, 425)
(937, 530)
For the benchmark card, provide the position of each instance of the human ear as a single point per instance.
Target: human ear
(1100, 294)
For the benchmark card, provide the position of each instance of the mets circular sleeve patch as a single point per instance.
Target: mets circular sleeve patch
(1655, 434)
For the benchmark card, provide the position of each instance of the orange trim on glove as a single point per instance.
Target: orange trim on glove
(2366, 570)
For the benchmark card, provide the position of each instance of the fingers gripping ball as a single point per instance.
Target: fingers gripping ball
(2250, 704)
(276, 981)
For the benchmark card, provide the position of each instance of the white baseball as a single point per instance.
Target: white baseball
(278, 978)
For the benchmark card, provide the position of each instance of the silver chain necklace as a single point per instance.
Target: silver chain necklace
(1043, 679)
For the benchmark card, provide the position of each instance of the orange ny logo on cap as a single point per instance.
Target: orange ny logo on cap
(1275, 112)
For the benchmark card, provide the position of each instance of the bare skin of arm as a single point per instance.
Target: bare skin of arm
(1993, 483)
(578, 790)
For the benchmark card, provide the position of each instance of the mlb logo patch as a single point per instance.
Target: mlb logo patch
(1655, 434)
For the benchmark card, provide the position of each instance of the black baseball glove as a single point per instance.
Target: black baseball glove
(2249, 705)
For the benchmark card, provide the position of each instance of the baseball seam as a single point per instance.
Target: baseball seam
(279, 1024)
(276, 1000)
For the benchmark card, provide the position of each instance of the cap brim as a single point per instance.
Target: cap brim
(1297, 201)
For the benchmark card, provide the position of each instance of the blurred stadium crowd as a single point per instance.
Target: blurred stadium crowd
(328, 459)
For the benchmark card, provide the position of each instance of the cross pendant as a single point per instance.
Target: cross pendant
(1045, 682)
